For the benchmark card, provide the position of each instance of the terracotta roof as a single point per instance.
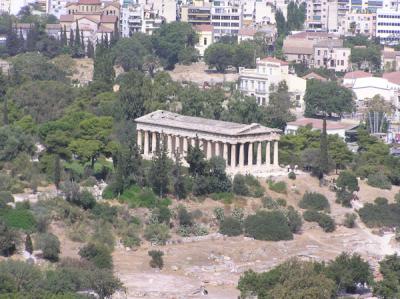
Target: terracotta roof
(66, 18)
(108, 19)
(317, 123)
(112, 3)
(204, 27)
(393, 77)
(315, 76)
(247, 31)
(274, 60)
(357, 74)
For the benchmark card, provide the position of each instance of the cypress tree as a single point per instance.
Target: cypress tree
(324, 160)
(12, 43)
(90, 50)
(21, 42)
(106, 44)
(77, 36)
(28, 244)
(5, 112)
(57, 171)
(65, 39)
(71, 38)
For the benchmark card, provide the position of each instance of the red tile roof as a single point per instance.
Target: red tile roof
(66, 18)
(204, 27)
(274, 60)
(357, 74)
(393, 77)
(108, 19)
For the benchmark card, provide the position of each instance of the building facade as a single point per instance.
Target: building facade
(388, 26)
(269, 73)
(226, 17)
(358, 23)
(206, 37)
(246, 149)
(332, 55)
(139, 18)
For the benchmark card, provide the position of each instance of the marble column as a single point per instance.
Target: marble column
(193, 142)
(259, 154)
(139, 140)
(177, 144)
(268, 154)
(146, 144)
(276, 161)
(217, 149)
(250, 154)
(169, 146)
(233, 155)
(241, 155)
(185, 145)
(209, 150)
(225, 153)
(153, 142)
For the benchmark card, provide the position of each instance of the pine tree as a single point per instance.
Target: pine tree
(57, 171)
(28, 244)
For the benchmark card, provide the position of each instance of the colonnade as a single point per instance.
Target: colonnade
(243, 155)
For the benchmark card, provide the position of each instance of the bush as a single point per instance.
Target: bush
(230, 227)
(292, 175)
(281, 202)
(381, 201)
(349, 220)
(108, 193)
(9, 239)
(294, 220)
(157, 234)
(379, 180)
(344, 198)
(269, 203)
(219, 214)
(86, 200)
(268, 225)
(97, 254)
(278, 187)
(160, 214)
(6, 196)
(156, 259)
(327, 223)
(324, 221)
(380, 215)
(184, 217)
(50, 246)
(239, 185)
(223, 196)
(397, 198)
(314, 201)
(105, 212)
(20, 219)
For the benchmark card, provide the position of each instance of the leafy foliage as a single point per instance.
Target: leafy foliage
(314, 201)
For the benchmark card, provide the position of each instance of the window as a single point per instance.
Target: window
(205, 41)
(342, 62)
(319, 52)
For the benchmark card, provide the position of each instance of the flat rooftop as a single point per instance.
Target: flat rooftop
(173, 120)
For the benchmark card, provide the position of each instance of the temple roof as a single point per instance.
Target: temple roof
(173, 120)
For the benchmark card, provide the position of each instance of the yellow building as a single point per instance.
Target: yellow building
(206, 37)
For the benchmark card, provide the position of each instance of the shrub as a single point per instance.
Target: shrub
(103, 234)
(97, 254)
(281, 202)
(9, 239)
(344, 198)
(268, 225)
(161, 214)
(157, 233)
(238, 214)
(239, 185)
(349, 220)
(397, 198)
(224, 196)
(28, 244)
(105, 212)
(184, 217)
(21, 219)
(381, 201)
(219, 214)
(292, 175)
(230, 227)
(130, 238)
(294, 220)
(156, 259)
(108, 193)
(314, 201)
(50, 246)
(380, 215)
(324, 221)
(6, 196)
(327, 223)
(42, 224)
(379, 180)
(86, 200)
(347, 181)
(278, 187)
(269, 203)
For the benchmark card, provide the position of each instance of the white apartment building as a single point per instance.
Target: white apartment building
(270, 71)
(332, 55)
(388, 26)
(358, 23)
(166, 9)
(57, 7)
(139, 18)
(226, 17)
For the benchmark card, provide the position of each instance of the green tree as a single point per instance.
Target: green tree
(28, 244)
(130, 52)
(172, 40)
(245, 54)
(159, 172)
(349, 270)
(180, 189)
(57, 171)
(389, 286)
(278, 110)
(156, 259)
(50, 246)
(9, 239)
(104, 283)
(219, 55)
(196, 160)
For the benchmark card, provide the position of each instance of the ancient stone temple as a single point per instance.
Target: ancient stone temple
(246, 148)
